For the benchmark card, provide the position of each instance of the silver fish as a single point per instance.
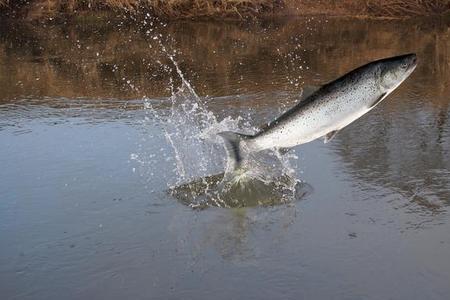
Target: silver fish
(326, 111)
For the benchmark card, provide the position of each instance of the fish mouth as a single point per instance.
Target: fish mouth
(407, 62)
(411, 58)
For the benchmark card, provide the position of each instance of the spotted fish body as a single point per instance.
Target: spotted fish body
(328, 110)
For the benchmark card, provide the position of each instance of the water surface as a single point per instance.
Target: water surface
(86, 169)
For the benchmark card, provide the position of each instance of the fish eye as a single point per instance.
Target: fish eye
(404, 65)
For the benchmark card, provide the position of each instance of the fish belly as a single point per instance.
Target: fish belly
(309, 125)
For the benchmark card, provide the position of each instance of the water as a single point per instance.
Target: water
(95, 164)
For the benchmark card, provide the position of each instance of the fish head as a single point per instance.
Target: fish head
(395, 70)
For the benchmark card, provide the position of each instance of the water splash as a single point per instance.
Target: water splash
(190, 130)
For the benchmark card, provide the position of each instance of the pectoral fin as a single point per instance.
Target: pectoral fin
(330, 135)
(378, 100)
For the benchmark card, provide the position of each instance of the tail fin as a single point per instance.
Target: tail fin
(235, 147)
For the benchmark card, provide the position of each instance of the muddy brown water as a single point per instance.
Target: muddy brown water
(80, 219)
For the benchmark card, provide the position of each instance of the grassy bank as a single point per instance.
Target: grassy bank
(37, 9)
(372, 8)
(175, 9)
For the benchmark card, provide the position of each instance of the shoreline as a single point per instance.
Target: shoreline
(65, 11)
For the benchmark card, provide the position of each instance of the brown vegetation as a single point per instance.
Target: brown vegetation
(160, 8)
(39, 9)
(370, 8)
(404, 7)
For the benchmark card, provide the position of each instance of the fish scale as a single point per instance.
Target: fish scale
(326, 111)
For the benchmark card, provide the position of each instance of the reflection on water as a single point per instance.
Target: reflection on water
(406, 152)
(85, 168)
(228, 59)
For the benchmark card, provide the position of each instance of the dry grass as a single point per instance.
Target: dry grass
(35, 9)
(371, 8)
(164, 8)
(395, 8)
(195, 8)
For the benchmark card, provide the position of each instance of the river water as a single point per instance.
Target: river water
(97, 127)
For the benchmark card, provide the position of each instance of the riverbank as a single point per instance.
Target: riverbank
(43, 10)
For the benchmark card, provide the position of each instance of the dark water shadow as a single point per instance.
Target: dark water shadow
(211, 191)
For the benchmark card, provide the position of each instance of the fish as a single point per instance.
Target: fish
(324, 112)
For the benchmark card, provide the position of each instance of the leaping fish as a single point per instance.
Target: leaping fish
(325, 112)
